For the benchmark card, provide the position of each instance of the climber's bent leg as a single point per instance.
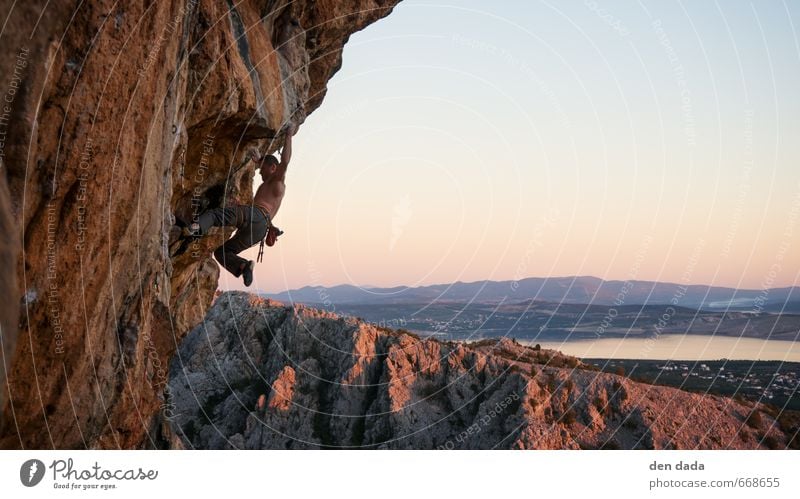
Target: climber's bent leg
(250, 231)
(218, 217)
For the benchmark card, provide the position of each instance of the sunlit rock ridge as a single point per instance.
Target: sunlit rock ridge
(259, 374)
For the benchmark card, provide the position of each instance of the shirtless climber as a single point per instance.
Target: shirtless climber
(253, 222)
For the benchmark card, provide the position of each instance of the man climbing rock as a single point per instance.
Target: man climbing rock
(253, 222)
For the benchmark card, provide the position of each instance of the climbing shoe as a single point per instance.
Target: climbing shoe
(247, 273)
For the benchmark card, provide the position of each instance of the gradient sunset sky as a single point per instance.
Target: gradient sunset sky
(478, 140)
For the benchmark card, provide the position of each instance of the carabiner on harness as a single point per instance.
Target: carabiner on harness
(260, 252)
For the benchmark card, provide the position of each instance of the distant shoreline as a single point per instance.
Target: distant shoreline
(707, 348)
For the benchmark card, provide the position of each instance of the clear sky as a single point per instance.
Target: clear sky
(477, 140)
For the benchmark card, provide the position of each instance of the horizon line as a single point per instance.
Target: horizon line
(574, 277)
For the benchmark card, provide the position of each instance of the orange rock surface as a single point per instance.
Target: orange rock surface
(127, 115)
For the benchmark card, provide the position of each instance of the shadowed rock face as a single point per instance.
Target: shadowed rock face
(128, 115)
(8, 287)
(260, 375)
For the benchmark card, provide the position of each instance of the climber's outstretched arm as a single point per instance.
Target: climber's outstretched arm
(286, 153)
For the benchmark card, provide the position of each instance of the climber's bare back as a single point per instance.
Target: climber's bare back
(270, 194)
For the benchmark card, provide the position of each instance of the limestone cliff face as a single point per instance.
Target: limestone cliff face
(260, 375)
(127, 114)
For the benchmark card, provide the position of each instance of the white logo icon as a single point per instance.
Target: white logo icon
(31, 472)
(400, 217)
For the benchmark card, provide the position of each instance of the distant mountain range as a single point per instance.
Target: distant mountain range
(581, 289)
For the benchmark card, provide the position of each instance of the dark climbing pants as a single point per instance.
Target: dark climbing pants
(251, 227)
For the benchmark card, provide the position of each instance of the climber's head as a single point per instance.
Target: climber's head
(268, 165)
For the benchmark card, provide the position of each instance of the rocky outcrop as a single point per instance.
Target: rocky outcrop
(126, 115)
(260, 375)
